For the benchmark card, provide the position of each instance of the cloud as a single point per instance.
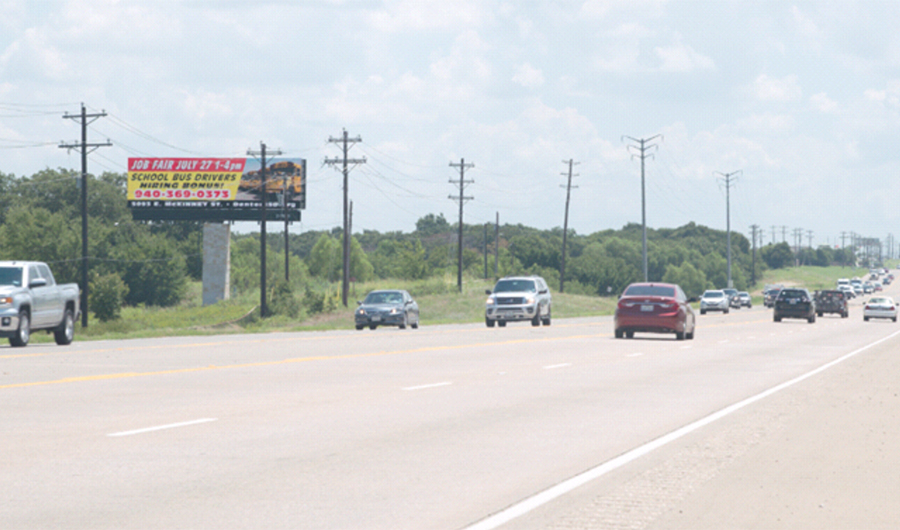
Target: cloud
(399, 16)
(680, 57)
(528, 76)
(766, 88)
(823, 103)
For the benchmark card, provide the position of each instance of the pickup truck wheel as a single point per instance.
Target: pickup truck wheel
(66, 330)
(23, 334)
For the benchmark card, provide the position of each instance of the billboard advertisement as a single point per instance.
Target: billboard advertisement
(215, 189)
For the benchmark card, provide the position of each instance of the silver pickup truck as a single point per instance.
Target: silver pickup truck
(30, 299)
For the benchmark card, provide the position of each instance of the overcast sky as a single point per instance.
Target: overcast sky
(801, 98)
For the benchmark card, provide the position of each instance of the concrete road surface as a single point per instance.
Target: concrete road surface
(751, 425)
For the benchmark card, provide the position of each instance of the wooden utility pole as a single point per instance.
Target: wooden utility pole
(85, 119)
(562, 263)
(263, 192)
(346, 143)
(462, 199)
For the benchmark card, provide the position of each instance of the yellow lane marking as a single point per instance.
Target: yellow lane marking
(125, 375)
(101, 377)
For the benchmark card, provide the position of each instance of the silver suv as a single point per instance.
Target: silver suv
(518, 298)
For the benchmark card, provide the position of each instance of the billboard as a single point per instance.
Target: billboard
(215, 189)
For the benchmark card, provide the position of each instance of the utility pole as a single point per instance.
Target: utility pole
(497, 248)
(263, 308)
(784, 233)
(562, 267)
(754, 228)
(728, 179)
(462, 199)
(644, 147)
(346, 143)
(85, 119)
(809, 235)
(773, 234)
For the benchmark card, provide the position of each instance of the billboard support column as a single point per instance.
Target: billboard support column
(263, 310)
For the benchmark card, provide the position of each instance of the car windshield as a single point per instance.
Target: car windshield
(515, 286)
(384, 298)
(650, 290)
(11, 276)
(713, 294)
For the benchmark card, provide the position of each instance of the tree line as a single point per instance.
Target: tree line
(139, 263)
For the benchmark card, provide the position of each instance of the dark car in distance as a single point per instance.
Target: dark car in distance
(831, 301)
(654, 308)
(387, 308)
(794, 302)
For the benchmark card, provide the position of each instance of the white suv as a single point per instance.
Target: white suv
(518, 298)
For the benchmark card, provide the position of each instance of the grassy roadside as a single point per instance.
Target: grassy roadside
(439, 302)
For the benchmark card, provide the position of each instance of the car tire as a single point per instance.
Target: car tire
(819, 315)
(405, 321)
(679, 335)
(812, 319)
(619, 333)
(777, 318)
(703, 311)
(866, 319)
(726, 311)
(23, 334)
(372, 326)
(488, 322)
(690, 336)
(501, 323)
(415, 325)
(359, 327)
(65, 333)
(629, 334)
(536, 321)
(546, 321)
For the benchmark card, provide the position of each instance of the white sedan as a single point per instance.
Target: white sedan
(880, 307)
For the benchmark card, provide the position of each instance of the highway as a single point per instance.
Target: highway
(459, 427)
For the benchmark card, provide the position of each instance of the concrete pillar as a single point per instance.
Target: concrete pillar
(216, 262)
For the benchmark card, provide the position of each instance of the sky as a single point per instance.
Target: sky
(798, 101)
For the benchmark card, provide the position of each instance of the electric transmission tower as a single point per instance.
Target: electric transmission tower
(462, 199)
(85, 119)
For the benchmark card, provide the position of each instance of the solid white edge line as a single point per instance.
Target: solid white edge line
(433, 385)
(554, 492)
(554, 366)
(162, 427)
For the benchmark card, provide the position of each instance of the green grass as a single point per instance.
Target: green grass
(812, 278)
(439, 300)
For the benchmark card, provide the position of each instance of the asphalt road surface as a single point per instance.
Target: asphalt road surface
(753, 424)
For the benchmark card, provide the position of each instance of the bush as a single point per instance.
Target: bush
(106, 295)
(283, 302)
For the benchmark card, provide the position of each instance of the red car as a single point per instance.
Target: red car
(654, 308)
